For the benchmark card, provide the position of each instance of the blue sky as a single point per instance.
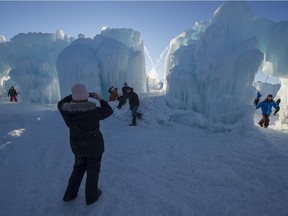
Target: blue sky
(158, 21)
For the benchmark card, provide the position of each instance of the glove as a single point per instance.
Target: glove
(96, 96)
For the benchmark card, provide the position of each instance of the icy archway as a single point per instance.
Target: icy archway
(210, 68)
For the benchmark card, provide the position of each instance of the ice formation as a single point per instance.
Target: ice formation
(43, 66)
(267, 88)
(113, 57)
(28, 63)
(2, 39)
(211, 71)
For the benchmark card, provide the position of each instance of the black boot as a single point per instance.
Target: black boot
(94, 199)
(133, 121)
(139, 115)
(68, 197)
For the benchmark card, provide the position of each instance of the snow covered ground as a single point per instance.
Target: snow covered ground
(158, 168)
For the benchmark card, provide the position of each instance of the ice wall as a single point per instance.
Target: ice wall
(28, 63)
(44, 66)
(273, 38)
(283, 113)
(2, 39)
(267, 88)
(213, 74)
(113, 57)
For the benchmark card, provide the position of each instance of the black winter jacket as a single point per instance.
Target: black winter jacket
(12, 92)
(133, 99)
(82, 119)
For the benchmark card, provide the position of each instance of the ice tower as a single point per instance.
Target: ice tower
(211, 71)
(113, 57)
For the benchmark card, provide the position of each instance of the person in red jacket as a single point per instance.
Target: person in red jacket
(13, 94)
(113, 93)
(83, 117)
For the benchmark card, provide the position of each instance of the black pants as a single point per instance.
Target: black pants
(81, 165)
(122, 100)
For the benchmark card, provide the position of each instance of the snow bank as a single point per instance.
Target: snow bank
(160, 168)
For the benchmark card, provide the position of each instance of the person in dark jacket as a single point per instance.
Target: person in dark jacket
(134, 105)
(278, 101)
(13, 94)
(123, 98)
(82, 118)
(266, 107)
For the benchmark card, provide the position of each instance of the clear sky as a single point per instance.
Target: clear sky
(157, 21)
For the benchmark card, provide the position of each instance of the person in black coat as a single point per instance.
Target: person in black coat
(134, 105)
(82, 118)
(12, 93)
(123, 98)
(278, 101)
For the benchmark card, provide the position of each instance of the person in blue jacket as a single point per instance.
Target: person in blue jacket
(266, 107)
(257, 99)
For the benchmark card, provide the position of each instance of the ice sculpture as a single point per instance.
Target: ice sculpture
(113, 57)
(28, 60)
(212, 72)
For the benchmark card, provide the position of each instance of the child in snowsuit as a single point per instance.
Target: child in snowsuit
(278, 101)
(134, 105)
(257, 99)
(266, 107)
(13, 94)
(113, 93)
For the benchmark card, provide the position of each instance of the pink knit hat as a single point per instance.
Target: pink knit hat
(79, 92)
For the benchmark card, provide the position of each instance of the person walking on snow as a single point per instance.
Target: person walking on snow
(266, 107)
(113, 93)
(134, 105)
(82, 118)
(122, 99)
(13, 94)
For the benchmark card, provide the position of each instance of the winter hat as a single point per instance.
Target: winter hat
(79, 92)
(270, 95)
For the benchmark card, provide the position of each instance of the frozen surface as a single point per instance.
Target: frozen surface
(159, 167)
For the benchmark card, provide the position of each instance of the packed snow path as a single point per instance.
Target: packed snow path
(151, 169)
